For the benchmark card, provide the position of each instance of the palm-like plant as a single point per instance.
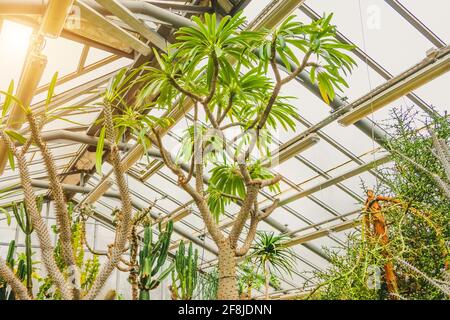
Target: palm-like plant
(271, 256)
(218, 69)
(224, 71)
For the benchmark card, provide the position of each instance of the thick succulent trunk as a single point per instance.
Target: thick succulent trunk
(40, 226)
(62, 216)
(227, 273)
(123, 229)
(17, 286)
(380, 232)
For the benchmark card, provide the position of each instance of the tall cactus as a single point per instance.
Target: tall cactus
(4, 295)
(186, 273)
(152, 258)
(24, 222)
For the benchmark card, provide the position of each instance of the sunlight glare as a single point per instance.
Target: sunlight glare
(14, 39)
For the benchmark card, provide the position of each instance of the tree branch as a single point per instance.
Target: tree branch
(177, 86)
(269, 182)
(124, 225)
(242, 251)
(264, 214)
(62, 215)
(39, 225)
(279, 83)
(239, 222)
(234, 124)
(299, 69)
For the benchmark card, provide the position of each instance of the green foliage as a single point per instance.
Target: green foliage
(152, 258)
(249, 278)
(405, 179)
(129, 118)
(418, 226)
(24, 222)
(185, 275)
(216, 64)
(318, 39)
(226, 180)
(25, 265)
(88, 267)
(269, 252)
(208, 285)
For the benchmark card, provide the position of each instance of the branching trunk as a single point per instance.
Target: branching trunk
(124, 224)
(38, 222)
(62, 215)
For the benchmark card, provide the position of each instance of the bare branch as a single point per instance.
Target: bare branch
(124, 225)
(269, 182)
(234, 124)
(39, 225)
(242, 251)
(269, 210)
(239, 222)
(62, 216)
(300, 68)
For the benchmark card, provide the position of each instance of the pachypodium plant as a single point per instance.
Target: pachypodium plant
(185, 275)
(223, 73)
(152, 258)
(251, 278)
(25, 264)
(67, 283)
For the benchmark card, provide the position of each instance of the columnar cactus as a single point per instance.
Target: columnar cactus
(186, 272)
(152, 258)
(24, 222)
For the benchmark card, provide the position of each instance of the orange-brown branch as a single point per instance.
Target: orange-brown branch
(380, 231)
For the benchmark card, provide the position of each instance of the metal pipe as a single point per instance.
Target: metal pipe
(139, 7)
(416, 23)
(332, 181)
(95, 18)
(370, 62)
(124, 14)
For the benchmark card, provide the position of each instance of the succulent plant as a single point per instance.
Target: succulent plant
(152, 258)
(185, 275)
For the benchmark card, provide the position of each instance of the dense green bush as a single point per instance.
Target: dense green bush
(418, 224)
